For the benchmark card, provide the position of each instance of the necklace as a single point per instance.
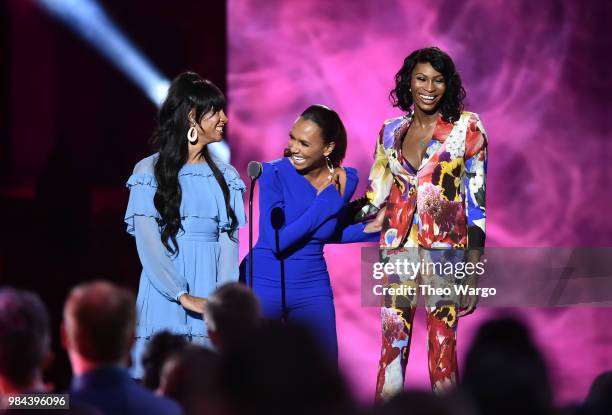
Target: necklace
(424, 142)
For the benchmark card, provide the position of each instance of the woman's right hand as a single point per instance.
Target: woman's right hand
(375, 225)
(193, 303)
(336, 179)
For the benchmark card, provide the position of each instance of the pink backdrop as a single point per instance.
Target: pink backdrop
(531, 74)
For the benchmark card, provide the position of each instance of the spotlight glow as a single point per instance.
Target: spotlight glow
(89, 20)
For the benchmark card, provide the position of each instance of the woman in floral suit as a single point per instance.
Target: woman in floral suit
(429, 173)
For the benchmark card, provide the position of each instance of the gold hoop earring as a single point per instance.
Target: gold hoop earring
(192, 134)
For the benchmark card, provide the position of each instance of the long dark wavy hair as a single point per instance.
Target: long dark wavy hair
(451, 104)
(187, 92)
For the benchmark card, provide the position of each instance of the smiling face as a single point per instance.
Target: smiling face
(212, 125)
(427, 87)
(307, 149)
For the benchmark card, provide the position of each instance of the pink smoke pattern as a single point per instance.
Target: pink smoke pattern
(524, 71)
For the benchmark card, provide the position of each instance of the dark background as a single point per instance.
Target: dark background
(71, 129)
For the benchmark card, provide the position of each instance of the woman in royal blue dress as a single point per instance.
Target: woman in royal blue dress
(303, 201)
(184, 211)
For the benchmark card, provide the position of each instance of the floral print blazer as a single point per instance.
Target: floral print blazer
(442, 203)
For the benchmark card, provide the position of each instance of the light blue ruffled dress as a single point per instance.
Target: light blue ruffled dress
(207, 256)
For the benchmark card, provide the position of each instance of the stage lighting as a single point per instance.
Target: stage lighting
(89, 20)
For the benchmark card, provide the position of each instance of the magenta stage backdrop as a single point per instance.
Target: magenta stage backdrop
(533, 72)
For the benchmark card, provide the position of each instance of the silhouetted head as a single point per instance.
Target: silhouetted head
(232, 312)
(599, 399)
(190, 376)
(161, 346)
(99, 321)
(24, 336)
(281, 369)
(505, 372)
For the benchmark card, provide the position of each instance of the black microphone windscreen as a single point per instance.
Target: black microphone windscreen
(254, 169)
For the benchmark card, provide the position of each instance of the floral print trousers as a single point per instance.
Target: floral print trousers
(397, 318)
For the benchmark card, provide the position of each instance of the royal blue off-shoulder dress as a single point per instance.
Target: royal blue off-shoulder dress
(295, 223)
(207, 256)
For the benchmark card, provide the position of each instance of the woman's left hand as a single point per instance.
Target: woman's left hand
(375, 225)
(469, 302)
(334, 179)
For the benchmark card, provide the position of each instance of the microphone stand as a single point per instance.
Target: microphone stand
(254, 170)
(253, 181)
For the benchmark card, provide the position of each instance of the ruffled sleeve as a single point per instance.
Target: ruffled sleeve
(236, 189)
(203, 197)
(140, 218)
(228, 260)
(142, 187)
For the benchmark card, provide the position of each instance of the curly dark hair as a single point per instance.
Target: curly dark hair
(451, 104)
(187, 92)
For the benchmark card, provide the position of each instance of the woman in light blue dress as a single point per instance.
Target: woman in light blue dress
(184, 211)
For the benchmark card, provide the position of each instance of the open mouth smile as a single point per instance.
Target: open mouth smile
(428, 99)
(298, 159)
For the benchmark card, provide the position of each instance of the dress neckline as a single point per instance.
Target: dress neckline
(200, 169)
(351, 176)
(400, 144)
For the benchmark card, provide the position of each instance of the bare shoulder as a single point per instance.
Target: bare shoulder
(341, 179)
(341, 174)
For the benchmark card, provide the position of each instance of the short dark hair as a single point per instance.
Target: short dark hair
(99, 319)
(161, 346)
(190, 377)
(332, 129)
(24, 335)
(231, 311)
(451, 104)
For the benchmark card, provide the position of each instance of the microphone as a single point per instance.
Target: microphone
(254, 170)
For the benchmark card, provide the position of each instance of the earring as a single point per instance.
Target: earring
(330, 165)
(192, 134)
